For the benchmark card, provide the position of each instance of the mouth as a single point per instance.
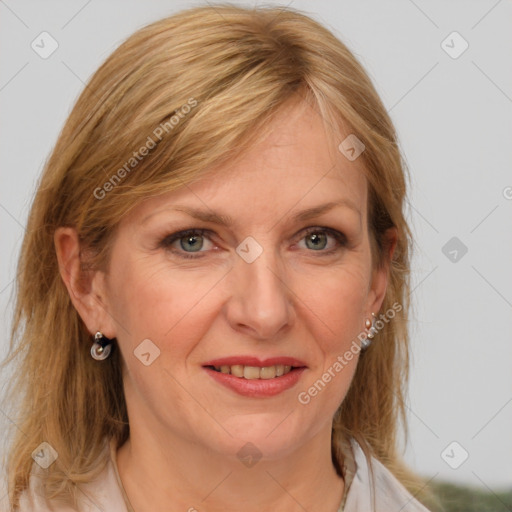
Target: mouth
(255, 372)
(252, 377)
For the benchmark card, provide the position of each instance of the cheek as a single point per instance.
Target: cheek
(335, 309)
(157, 302)
(336, 302)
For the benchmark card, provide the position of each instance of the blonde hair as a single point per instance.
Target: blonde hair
(235, 68)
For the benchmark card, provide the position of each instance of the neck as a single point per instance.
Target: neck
(180, 475)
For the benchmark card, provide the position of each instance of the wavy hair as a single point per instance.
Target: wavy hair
(239, 66)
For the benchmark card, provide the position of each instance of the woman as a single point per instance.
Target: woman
(213, 287)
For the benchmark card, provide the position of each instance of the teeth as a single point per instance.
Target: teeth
(268, 372)
(237, 370)
(251, 372)
(255, 372)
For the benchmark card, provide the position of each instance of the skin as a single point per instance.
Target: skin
(293, 300)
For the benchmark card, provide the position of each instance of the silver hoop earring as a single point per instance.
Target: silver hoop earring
(370, 334)
(101, 347)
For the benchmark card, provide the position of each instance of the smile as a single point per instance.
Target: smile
(255, 381)
(254, 372)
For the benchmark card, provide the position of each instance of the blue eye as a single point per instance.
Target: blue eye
(192, 239)
(318, 238)
(189, 243)
(194, 242)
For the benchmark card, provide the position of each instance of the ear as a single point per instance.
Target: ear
(86, 288)
(380, 274)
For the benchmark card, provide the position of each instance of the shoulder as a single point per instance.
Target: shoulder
(102, 493)
(377, 486)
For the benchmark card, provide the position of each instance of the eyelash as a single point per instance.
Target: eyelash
(170, 239)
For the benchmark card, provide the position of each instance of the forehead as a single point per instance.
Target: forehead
(297, 165)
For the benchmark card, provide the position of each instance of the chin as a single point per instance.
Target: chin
(272, 437)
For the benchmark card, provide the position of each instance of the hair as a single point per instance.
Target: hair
(235, 68)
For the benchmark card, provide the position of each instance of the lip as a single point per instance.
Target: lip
(256, 388)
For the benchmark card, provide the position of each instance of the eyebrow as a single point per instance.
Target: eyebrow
(226, 220)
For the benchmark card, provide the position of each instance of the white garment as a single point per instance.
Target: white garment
(390, 495)
(106, 493)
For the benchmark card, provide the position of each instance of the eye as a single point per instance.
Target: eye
(190, 241)
(317, 239)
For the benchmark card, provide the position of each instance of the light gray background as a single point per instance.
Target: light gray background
(454, 119)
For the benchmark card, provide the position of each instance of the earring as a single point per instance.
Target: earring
(101, 347)
(370, 334)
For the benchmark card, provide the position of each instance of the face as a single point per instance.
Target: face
(277, 273)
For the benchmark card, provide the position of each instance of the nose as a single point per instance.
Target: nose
(261, 302)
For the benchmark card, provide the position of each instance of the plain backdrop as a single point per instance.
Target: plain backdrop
(452, 107)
